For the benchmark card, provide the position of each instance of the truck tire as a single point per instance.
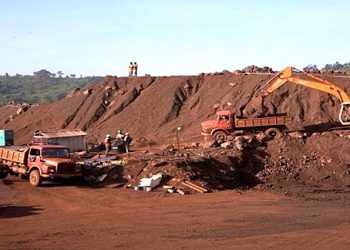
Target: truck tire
(35, 178)
(272, 132)
(220, 136)
(3, 173)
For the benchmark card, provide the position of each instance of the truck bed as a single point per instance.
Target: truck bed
(268, 121)
(13, 154)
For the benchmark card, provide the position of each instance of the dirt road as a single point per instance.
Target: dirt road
(77, 217)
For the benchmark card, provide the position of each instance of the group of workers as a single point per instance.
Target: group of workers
(121, 143)
(133, 69)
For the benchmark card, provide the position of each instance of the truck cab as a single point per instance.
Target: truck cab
(221, 126)
(38, 162)
(51, 161)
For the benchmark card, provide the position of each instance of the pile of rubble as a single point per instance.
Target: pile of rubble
(189, 170)
(309, 162)
(285, 162)
(102, 171)
(287, 168)
(253, 69)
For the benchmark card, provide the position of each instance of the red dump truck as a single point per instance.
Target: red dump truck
(227, 123)
(37, 162)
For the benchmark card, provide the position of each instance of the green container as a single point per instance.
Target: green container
(7, 138)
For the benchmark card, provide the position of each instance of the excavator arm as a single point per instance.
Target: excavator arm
(317, 83)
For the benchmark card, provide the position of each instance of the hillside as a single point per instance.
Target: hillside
(42, 87)
(154, 107)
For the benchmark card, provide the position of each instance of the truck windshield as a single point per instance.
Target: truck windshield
(56, 152)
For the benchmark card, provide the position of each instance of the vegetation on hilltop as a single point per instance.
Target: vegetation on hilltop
(329, 68)
(41, 87)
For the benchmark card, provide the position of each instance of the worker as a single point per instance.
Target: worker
(108, 143)
(120, 135)
(135, 69)
(131, 68)
(127, 141)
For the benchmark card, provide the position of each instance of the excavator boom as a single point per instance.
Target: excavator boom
(286, 75)
(317, 83)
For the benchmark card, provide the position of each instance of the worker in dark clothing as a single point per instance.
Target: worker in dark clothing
(127, 141)
(135, 69)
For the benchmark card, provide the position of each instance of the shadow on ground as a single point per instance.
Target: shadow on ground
(10, 211)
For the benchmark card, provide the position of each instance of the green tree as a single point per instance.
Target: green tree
(60, 74)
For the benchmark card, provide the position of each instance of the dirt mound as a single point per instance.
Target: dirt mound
(10, 110)
(320, 162)
(153, 107)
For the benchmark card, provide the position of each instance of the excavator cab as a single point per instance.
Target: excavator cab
(344, 115)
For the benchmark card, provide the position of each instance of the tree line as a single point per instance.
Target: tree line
(329, 68)
(41, 87)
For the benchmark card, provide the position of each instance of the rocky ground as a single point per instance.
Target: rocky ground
(288, 192)
(292, 165)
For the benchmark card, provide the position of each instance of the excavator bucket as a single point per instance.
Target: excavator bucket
(344, 115)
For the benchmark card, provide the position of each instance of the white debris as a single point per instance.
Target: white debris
(152, 181)
(101, 178)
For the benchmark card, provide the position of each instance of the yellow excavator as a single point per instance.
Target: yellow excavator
(287, 75)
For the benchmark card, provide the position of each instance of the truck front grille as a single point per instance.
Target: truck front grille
(66, 168)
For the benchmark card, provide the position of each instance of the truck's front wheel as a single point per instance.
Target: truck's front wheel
(35, 178)
(272, 132)
(3, 173)
(220, 136)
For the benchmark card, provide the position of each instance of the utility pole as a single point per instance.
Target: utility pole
(178, 129)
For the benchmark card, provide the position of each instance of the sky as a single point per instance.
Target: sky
(170, 37)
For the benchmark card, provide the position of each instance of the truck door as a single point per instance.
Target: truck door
(224, 121)
(34, 157)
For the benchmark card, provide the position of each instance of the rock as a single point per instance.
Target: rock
(248, 138)
(232, 84)
(226, 145)
(216, 105)
(87, 92)
(238, 145)
(296, 135)
(195, 145)
(261, 137)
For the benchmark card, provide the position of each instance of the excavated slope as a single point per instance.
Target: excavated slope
(154, 107)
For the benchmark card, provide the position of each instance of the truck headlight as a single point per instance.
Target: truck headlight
(51, 169)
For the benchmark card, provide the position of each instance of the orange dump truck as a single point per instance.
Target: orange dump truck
(37, 162)
(226, 123)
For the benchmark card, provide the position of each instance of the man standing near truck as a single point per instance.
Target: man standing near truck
(127, 141)
(108, 143)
